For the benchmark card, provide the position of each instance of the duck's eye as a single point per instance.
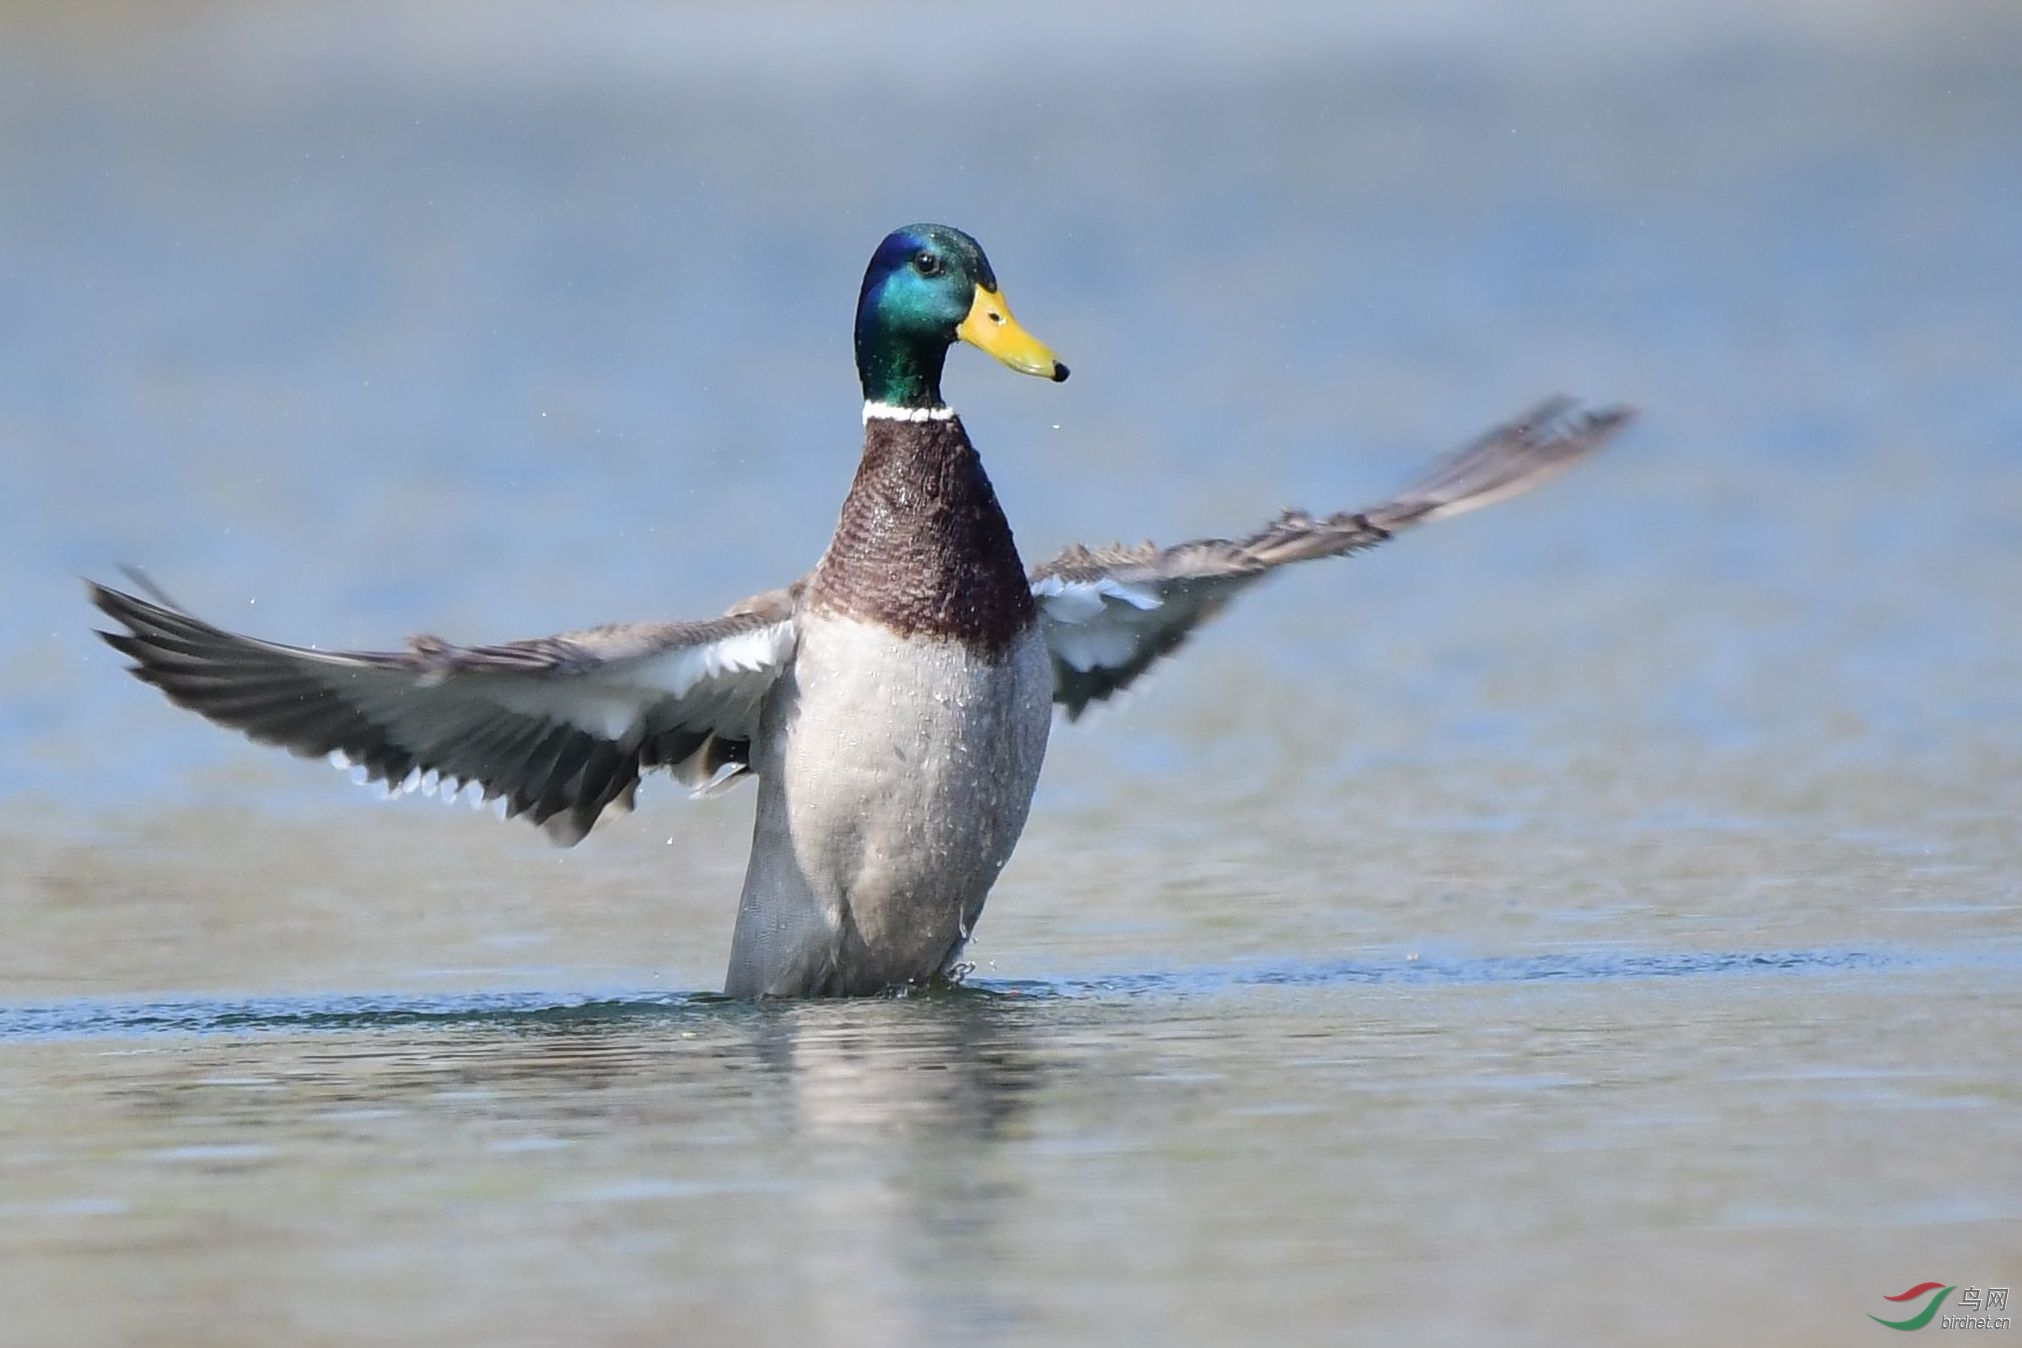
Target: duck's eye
(926, 264)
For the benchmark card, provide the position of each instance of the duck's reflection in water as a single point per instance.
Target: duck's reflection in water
(844, 1160)
(906, 1110)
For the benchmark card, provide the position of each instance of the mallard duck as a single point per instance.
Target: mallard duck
(893, 704)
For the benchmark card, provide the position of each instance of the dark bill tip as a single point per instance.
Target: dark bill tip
(1059, 373)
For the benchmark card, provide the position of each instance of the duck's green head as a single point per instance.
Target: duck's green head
(928, 286)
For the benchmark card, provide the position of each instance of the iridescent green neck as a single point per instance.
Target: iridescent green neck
(897, 371)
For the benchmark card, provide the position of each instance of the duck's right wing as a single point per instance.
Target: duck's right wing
(558, 727)
(1109, 614)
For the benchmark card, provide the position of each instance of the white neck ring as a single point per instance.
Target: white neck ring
(876, 411)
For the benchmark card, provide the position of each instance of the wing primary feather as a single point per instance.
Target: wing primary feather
(1110, 614)
(555, 727)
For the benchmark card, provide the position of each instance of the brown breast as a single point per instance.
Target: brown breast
(922, 546)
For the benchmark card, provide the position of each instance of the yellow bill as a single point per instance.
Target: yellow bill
(990, 327)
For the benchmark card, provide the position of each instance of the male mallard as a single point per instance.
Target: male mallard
(893, 704)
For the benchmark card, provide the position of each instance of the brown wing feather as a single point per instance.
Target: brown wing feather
(1111, 613)
(559, 728)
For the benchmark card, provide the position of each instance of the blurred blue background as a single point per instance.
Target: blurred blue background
(498, 319)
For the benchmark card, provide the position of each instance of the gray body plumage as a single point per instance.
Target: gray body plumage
(895, 773)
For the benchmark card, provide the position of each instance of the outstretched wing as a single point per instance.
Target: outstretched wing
(1111, 613)
(558, 727)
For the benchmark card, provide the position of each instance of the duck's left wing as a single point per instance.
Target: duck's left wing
(1108, 614)
(559, 728)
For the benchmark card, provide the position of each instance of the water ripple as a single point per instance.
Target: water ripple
(534, 1010)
